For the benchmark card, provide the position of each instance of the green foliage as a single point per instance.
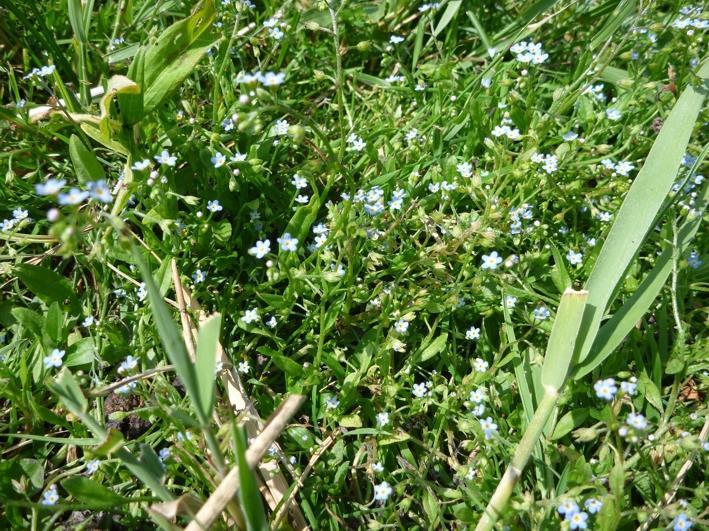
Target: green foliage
(446, 185)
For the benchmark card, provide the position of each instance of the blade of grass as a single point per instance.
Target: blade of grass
(206, 362)
(612, 333)
(249, 496)
(638, 212)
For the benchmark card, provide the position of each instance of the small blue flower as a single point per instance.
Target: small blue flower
(491, 261)
(50, 187)
(214, 206)
(593, 505)
(606, 389)
(681, 523)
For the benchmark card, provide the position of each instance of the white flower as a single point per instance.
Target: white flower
(605, 389)
(421, 389)
(637, 421)
(250, 316)
(613, 114)
(465, 169)
(302, 199)
(331, 402)
(92, 466)
(272, 322)
(100, 191)
(298, 181)
(486, 82)
(401, 326)
(199, 276)
(488, 427)
(568, 507)
(396, 39)
(356, 143)
(214, 206)
(218, 159)
(378, 467)
(142, 291)
(50, 187)
(54, 359)
(141, 165)
(243, 367)
(630, 387)
(510, 301)
(281, 128)
(477, 396)
(593, 505)
(88, 321)
(541, 313)
(165, 158)
(480, 365)
(574, 258)
(491, 261)
(50, 496)
(74, 197)
(164, 454)
(382, 491)
(382, 418)
(472, 333)
(288, 243)
(260, 249)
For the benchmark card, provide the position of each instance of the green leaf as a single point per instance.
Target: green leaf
(169, 335)
(53, 325)
(649, 390)
(560, 349)
(34, 470)
(572, 419)
(559, 274)
(29, 319)
(175, 54)
(613, 331)
(638, 213)
(207, 341)
(69, 393)
(83, 352)
(287, 365)
(48, 285)
(76, 19)
(131, 104)
(91, 492)
(436, 346)
(448, 15)
(249, 495)
(114, 441)
(418, 43)
(86, 165)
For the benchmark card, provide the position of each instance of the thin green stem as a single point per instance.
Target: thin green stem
(514, 471)
(339, 82)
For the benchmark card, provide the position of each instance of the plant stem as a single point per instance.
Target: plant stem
(339, 81)
(514, 471)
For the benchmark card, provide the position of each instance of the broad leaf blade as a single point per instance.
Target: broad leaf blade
(639, 210)
(207, 341)
(249, 495)
(169, 334)
(564, 333)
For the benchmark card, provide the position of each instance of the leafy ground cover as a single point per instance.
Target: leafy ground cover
(463, 237)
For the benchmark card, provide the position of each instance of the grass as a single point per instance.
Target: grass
(358, 220)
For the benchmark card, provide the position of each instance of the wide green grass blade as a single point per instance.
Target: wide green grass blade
(560, 349)
(206, 362)
(639, 210)
(169, 335)
(249, 495)
(617, 327)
